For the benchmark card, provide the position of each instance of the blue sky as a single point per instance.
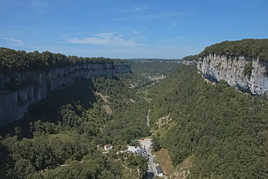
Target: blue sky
(129, 28)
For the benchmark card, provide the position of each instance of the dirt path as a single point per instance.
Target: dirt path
(104, 98)
(148, 117)
(147, 145)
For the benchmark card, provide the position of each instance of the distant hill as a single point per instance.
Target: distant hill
(153, 66)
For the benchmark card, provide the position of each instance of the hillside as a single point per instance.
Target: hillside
(63, 136)
(199, 129)
(149, 72)
(252, 48)
(242, 64)
(223, 131)
(28, 78)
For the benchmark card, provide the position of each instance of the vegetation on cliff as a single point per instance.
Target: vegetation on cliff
(63, 136)
(191, 57)
(248, 70)
(153, 66)
(251, 48)
(12, 60)
(222, 130)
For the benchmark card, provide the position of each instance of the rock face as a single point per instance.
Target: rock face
(35, 86)
(246, 74)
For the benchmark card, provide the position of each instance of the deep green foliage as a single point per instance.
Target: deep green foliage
(224, 131)
(67, 139)
(191, 57)
(100, 168)
(127, 121)
(252, 48)
(63, 136)
(156, 143)
(12, 60)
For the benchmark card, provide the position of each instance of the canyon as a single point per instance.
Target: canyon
(244, 73)
(34, 86)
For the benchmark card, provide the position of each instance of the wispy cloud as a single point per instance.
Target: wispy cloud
(107, 39)
(152, 16)
(11, 41)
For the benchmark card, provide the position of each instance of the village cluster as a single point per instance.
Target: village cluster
(144, 150)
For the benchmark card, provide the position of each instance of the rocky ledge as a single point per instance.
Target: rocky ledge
(246, 74)
(19, 90)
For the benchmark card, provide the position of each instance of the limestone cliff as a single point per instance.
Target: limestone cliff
(35, 86)
(247, 74)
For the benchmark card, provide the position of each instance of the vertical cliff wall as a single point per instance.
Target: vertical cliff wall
(246, 74)
(19, 90)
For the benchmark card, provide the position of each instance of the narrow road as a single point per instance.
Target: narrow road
(147, 145)
(148, 117)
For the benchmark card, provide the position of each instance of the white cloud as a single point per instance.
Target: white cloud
(153, 16)
(109, 39)
(11, 41)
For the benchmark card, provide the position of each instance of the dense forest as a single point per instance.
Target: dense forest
(146, 72)
(153, 66)
(253, 48)
(222, 131)
(12, 60)
(63, 136)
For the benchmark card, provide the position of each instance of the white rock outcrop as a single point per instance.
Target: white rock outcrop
(35, 86)
(232, 70)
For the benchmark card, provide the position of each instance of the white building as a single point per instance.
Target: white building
(108, 147)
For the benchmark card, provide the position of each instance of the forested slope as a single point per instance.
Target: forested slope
(223, 131)
(252, 48)
(63, 136)
(242, 64)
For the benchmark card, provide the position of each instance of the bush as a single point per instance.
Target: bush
(248, 70)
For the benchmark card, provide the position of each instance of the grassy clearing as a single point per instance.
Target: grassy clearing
(180, 171)
(165, 161)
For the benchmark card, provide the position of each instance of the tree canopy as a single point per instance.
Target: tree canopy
(222, 130)
(12, 60)
(252, 48)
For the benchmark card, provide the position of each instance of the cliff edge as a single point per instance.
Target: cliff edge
(242, 64)
(20, 89)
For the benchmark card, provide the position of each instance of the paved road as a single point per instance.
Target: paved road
(147, 145)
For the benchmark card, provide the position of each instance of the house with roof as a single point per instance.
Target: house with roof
(107, 147)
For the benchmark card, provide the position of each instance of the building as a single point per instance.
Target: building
(159, 171)
(108, 147)
(133, 149)
(137, 150)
